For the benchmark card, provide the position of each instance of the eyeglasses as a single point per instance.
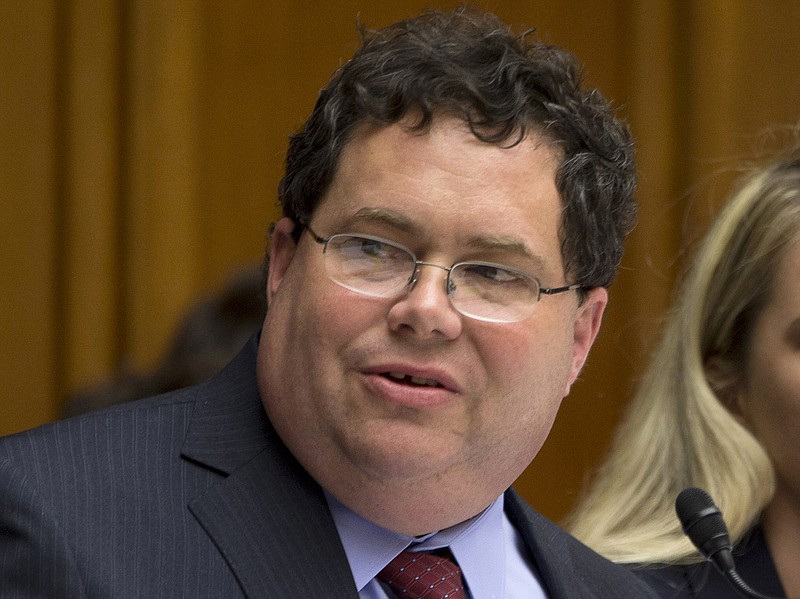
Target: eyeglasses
(376, 267)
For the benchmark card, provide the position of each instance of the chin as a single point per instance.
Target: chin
(396, 457)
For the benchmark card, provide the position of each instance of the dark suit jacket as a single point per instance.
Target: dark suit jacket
(703, 581)
(192, 494)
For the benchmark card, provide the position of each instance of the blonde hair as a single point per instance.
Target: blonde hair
(677, 432)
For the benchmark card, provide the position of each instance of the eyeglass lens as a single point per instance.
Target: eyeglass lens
(378, 268)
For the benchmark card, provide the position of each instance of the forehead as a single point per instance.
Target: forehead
(447, 183)
(448, 144)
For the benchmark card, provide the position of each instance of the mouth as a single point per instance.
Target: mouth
(414, 381)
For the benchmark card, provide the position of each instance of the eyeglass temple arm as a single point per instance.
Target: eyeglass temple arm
(554, 290)
(317, 238)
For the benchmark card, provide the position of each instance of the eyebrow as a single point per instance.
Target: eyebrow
(384, 217)
(504, 243)
(401, 223)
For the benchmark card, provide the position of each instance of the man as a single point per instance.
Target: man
(454, 208)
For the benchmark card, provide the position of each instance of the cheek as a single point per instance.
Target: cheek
(302, 332)
(342, 319)
(307, 333)
(320, 324)
(774, 408)
(528, 373)
(534, 358)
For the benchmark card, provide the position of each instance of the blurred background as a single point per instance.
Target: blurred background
(141, 143)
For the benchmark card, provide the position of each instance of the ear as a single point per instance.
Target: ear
(727, 386)
(281, 251)
(586, 326)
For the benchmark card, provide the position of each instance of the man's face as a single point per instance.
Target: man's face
(489, 392)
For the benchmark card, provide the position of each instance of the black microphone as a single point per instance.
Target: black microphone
(702, 522)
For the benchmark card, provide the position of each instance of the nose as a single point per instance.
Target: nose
(425, 309)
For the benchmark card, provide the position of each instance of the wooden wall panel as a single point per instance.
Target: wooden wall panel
(743, 62)
(29, 190)
(161, 190)
(90, 204)
(249, 106)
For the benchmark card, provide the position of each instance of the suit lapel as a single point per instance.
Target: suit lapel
(567, 568)
(547, 546)
(266, 515)
(276, 533)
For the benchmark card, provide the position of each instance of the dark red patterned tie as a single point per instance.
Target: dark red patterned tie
(423, 576)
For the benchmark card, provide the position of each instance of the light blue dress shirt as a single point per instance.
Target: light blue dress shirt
(488, 550)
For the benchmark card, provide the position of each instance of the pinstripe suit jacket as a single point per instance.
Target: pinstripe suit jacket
(192, 494)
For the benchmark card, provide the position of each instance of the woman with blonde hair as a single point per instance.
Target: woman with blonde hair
(718, 408)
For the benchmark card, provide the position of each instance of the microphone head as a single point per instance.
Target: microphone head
(691, 502)
(702, 522)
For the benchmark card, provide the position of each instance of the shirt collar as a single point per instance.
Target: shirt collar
(477, 544)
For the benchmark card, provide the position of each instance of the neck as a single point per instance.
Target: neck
(782, 532)
(412, 509)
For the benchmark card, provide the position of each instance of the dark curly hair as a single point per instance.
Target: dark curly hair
(468, 64)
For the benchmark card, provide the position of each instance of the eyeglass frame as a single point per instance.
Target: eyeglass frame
(417, 263)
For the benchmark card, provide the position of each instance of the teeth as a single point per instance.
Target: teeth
(414, 379)
(419, 381)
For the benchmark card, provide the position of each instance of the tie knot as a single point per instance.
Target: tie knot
(423, 576)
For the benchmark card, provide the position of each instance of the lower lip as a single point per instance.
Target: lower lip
(419, 397)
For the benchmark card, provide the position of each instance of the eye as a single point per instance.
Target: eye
(369, 250)
(490, 273)
(364, 247)
(374, 248)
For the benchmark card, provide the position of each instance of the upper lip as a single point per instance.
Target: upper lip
(424, 372)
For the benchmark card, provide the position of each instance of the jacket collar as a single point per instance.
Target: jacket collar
(229, 426)
(266, 515)
(567, 568)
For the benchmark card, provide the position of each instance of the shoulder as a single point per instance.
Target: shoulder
(139, 426)
(125, 451)
(72, 463)
(568, 567)
(755, 565)
(108, 431)
(72, 488)
(675, 581)
(703, 581)
(692, 581)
